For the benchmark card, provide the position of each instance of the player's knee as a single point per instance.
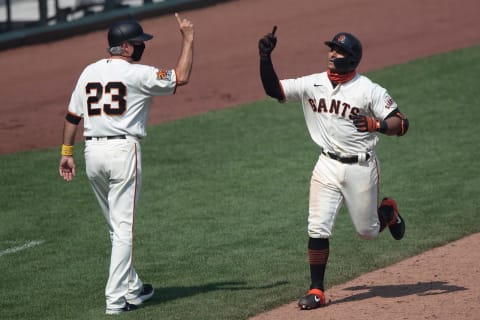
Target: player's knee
(368, 233)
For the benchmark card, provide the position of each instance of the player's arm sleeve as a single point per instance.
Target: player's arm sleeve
(157, 81)
(270, 81)
(75, 106)
(387, 110)
(73, 118)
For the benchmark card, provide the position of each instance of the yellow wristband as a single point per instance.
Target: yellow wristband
(67, 150)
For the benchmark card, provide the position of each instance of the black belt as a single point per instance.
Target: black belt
(350, 160)
(107, 137)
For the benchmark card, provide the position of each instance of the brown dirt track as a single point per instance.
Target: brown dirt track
(36, 83)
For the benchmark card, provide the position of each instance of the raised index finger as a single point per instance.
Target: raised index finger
(274, 29)
(178, 18)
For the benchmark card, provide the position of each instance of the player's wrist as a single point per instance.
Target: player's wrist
(67, 150)
(265, 55)
(381, 126)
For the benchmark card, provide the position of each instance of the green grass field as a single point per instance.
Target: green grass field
(221, 226)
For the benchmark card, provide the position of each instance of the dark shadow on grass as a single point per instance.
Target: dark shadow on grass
(396, 291)
(165, 294)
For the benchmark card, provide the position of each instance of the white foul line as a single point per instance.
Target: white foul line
(27, 245)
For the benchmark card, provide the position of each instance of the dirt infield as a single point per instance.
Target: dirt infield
(36, 83)
(441, 284)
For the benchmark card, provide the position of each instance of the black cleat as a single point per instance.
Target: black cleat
(315, 298)
(128, 307)
(395, 222)
(146, 294)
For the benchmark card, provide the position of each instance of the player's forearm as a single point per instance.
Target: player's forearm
(394, 124)
(270, 81)
(183, 69)
(69, 133)
(397, 124)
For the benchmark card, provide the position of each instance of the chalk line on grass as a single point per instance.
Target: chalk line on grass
(27, 245)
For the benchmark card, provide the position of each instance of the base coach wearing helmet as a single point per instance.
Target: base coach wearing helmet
(113, 96)
(345, 113)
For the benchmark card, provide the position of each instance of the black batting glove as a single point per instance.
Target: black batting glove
(368, 124)
(267, 43)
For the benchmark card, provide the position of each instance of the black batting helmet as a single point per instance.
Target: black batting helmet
(126, 31)
(349, 44)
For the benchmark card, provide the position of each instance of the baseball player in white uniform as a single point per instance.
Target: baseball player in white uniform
(345, 112)
(113, 96)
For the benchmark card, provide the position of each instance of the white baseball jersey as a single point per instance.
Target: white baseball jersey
(114, 98)
(327, 113)
(327, 110)
(105, 89)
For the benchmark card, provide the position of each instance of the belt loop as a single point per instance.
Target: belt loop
(362, 157)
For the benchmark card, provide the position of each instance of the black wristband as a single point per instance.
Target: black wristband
(383, 127)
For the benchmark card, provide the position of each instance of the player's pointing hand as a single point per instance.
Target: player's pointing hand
(186, 27)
